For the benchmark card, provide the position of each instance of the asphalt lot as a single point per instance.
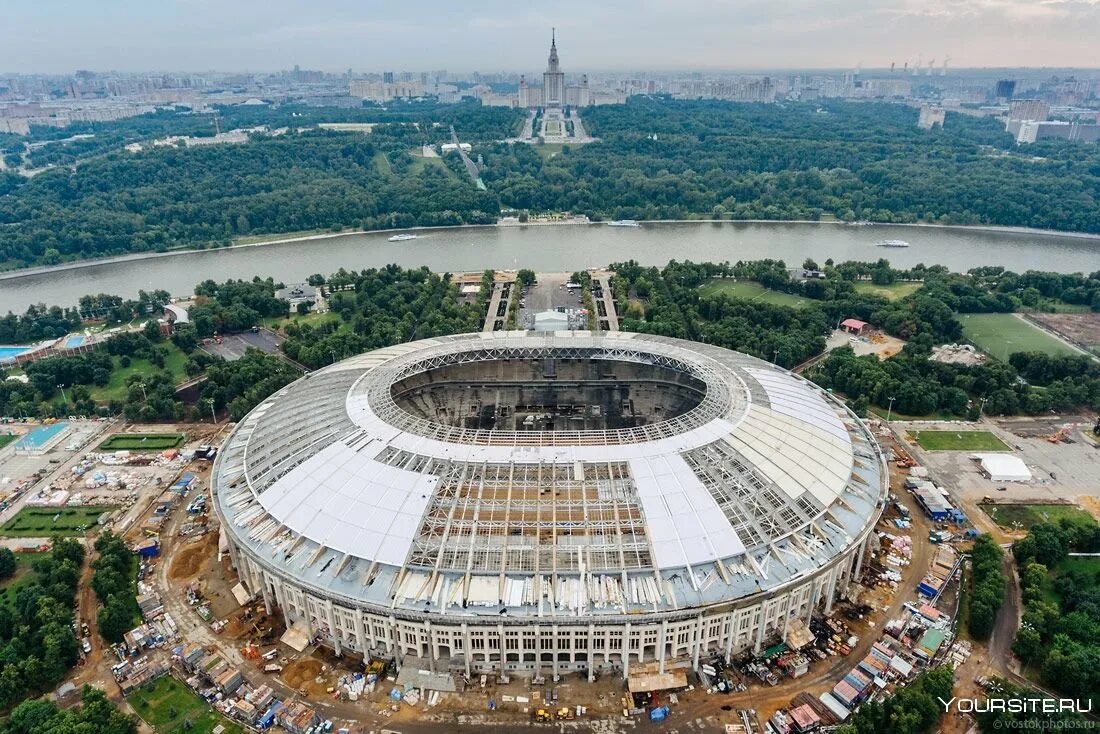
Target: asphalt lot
(548, 294)
(234, 346)
(1059, 470)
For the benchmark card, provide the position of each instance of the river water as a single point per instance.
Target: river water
(549, 248)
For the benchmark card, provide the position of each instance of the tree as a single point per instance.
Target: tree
(7, 563)
(116, 617)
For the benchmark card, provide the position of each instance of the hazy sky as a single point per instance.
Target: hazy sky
(493, 35)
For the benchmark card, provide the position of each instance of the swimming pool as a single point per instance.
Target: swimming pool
(39, 437)
(74, 341)
(7, 353)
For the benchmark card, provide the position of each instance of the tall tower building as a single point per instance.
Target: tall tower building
(553, 80)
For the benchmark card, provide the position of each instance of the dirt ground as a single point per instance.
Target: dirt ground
(193, 559)
(309, 676)
(877, 343)
(1083, 329)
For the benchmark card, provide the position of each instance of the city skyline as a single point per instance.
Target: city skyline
(58, 36)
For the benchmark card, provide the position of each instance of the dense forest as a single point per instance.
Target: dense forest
(657, 158)
(37, 645)
(380, 307)
(1059, 636)
(669, 301)
(95, 715)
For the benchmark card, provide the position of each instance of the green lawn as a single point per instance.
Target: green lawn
(1001, 334)
(142, 442)
(959, 441)
(170, 707)
(420, 162)
(1013, 517)
(382, 163)
(546, 150)
(6, 438)
(894, 291)
(116, 389)
(52, 522)
(24, 575)
(752, 291)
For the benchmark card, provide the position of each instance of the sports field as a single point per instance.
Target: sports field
(1022, 517)
(52, 522)
(750, 290)
(958, 441)
(142, 442)
(171, 708)
(1001, 334)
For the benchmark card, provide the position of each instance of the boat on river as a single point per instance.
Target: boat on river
(403, 237)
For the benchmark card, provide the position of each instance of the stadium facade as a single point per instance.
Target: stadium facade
(548, 502)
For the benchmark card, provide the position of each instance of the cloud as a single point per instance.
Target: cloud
(61, 35)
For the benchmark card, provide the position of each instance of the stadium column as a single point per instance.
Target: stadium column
(661, 649)
(361, 632)
(859, 558)
(591, 654)
(760, 627)
(331, 616)
(832, 590)
(394, 641)
(815, 595)
(266, 592)
(731, 631)
(466, 648)
(556, 648)
(698, 644)
(431, 645)
(626, 652)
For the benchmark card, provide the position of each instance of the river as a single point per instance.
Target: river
(553, 248)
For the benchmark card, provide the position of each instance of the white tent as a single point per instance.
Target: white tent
(1004, 467)
(551, 321)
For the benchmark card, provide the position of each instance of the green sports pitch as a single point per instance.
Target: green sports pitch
(1001, 334)
(52, 522)
(959, 441)
(142, 442)
(750, 290)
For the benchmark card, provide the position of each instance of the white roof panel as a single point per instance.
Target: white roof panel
(349, 502)
(675, 503)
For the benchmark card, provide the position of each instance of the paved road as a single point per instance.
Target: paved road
(494, 305)
(609, 304)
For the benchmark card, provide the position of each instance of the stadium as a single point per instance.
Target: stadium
(548, 502)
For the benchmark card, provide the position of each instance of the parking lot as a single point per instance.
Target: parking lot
(550, 294)
(233, 346)
(1064, 470)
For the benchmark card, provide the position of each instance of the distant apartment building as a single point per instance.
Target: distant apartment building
(381, 91)
(1033, 131)
(15, 125)
(1004, 89)
(930, 116)
(1028, 109)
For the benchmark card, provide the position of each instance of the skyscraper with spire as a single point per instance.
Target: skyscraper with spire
(553, 79)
